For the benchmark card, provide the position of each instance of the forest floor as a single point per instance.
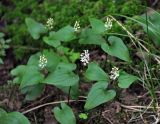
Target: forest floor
(132, 106)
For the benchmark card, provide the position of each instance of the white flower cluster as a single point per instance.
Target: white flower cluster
(76, 26)
(50, 23)
(42, 61)
(108, 23)
(85, 57)
(114, 73)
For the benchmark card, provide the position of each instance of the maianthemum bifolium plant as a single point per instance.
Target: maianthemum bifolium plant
(57, 65)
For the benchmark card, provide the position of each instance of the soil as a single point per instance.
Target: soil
(116, 112)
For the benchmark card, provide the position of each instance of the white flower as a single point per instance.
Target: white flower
(114, 73)
(42, 61)
(85, 57)
(108, 23)
(50, 23)
(76, 26)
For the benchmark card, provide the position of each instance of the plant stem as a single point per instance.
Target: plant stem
(50, 103)
(152, 90)
(69, 92)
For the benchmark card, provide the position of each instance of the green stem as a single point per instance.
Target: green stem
(69, 92)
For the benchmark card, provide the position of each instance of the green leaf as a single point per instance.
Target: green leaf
(52, 40)
(65, 34)
(34, 59)
(95, 73)
(83, 116)
(64, 115)
(62, 76)
(88, 36)
(63, 50)
(52, 59)
(67, 66)
(14, 118)
(125, 79)
(33, 92)
(35, 28)
(97, 25)
(73, 56)
(31, 76)
(98, 95)
(17, 80)
(2, 112)
(151, 26)
(116, 48)
(1, 35)
(19, 71)
(27, 75)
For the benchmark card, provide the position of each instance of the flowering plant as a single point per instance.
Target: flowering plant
(57, 65)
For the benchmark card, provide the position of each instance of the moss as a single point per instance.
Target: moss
(63, 11)
(132, 8)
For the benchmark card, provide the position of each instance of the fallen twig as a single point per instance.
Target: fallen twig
(50, 103)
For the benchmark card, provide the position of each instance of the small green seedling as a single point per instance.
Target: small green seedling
(83, 116)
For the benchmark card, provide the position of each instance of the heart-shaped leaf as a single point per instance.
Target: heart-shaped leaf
(88, 36)
(125, 79)
(35, 28)
(97, 25)
(13, 118)
(95, 73)
(116, 48)
(64, 115)
(99, 95)
(62, 76)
